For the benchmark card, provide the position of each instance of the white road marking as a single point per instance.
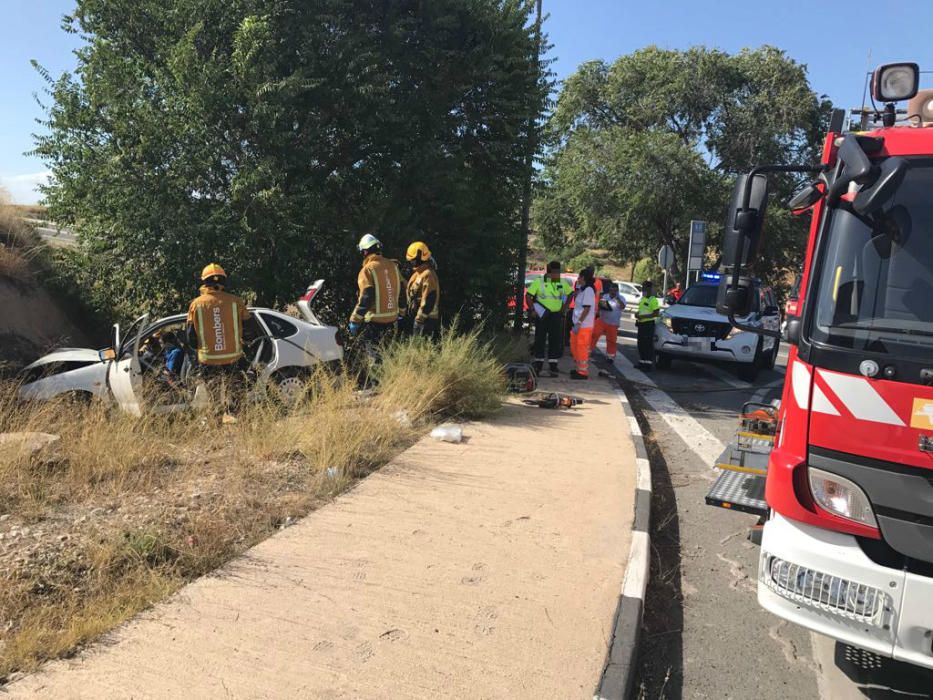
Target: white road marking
(706, 445)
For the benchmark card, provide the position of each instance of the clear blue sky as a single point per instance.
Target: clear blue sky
(833, 38)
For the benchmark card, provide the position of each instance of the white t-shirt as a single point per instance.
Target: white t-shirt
(585, 297)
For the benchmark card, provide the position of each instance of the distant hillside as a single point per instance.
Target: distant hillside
(31, 321)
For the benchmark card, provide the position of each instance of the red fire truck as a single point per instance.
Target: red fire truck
(841, 471)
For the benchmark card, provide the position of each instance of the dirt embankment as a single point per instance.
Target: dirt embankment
(31, 322)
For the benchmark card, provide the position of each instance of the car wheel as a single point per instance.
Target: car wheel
(664, 360)
(290, 385)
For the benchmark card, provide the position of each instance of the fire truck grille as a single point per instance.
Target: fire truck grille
(700, 329)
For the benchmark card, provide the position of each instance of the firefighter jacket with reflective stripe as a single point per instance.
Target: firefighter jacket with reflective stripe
(424, 294)
(647, 306)
(380, 284)
(550, 294)
(217, 318)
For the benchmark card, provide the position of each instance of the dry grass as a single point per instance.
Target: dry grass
(121, 512)
(18, 244)
(460, 377)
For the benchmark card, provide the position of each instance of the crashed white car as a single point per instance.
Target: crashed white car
(287, 349)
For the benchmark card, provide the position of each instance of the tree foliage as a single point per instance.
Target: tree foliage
(269, 135)
(641, 146)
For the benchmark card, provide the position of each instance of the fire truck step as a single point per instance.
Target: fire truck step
(739, 491)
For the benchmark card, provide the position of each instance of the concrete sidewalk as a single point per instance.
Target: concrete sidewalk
(488, 569)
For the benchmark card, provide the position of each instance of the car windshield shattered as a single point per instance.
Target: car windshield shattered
(876, 278)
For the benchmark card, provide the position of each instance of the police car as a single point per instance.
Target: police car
(691, 329)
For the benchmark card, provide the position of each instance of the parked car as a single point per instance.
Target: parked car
(630, 293)
(692, 329)
(287, 349)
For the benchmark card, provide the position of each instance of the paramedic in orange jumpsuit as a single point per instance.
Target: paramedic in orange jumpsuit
(584, 316)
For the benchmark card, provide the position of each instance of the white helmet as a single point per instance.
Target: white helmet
(368, 241)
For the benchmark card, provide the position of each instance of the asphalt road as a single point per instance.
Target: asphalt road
(704, 635)
(53, 234)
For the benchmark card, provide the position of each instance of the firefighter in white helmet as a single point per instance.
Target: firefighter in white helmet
(378, 306)
(424, 290)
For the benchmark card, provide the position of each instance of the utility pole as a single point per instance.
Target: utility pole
(526, 194)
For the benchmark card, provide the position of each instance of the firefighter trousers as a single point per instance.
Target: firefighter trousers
(612, 334)
(581, 342)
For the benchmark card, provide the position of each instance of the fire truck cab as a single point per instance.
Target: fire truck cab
(844, 481)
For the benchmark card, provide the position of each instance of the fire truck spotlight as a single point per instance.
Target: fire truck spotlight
(895, 81)
(832, 594)
(841, 497)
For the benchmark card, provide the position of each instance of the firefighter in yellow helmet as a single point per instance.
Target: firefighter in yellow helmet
(424, 291)
(378, 307)
(217, 324)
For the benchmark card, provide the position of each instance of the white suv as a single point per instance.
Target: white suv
(691, 329)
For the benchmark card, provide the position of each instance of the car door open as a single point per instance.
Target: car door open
(125, 373)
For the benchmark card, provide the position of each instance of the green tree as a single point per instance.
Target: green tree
(640, 147)
(269, 135)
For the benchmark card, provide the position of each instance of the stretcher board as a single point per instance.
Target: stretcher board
(739, 491)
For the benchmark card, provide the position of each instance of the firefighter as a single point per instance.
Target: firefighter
(378, 309)
(217, 325)
(607, 321)
(584, 317)
(424, 291)
(649, 308)
(547, 298)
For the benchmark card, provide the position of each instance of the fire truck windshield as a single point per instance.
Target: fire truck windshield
(875, 287)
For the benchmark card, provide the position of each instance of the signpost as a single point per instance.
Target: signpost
(696, 253)
(665, 262)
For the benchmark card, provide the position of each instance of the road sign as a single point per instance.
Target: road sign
(666, 257)
(697, 251)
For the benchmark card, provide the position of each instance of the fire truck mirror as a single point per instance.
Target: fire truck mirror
(734, 300)
(792, 331)
(805, 197)
(890, 176)
(856, 168)
(744, 220)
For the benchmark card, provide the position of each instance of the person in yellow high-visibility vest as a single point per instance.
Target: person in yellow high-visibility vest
(379, 306)
(649, 308)
(217, 324)
(547, 300)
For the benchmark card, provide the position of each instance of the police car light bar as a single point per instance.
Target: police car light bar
(711, 276)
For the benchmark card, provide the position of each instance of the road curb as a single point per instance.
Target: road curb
(619, 671)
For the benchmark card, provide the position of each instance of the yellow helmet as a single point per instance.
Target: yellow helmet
(418, 253)
(211, 271)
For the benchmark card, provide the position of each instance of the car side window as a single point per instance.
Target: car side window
(279, 327)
